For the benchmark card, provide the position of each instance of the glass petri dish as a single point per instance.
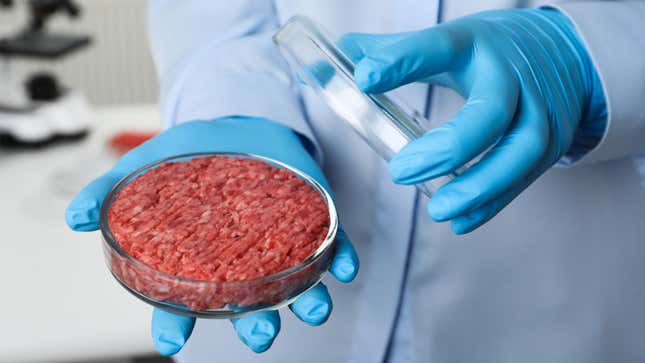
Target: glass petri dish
(383, 121)
(216, 299)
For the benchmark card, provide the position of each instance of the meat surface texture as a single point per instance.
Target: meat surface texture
(224, 221)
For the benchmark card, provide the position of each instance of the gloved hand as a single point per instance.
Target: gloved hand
(242, 134)
(530, 87)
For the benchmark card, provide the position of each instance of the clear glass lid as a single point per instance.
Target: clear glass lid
(386, 124)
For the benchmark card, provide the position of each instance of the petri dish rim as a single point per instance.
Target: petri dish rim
(324, 246)
(402, 121)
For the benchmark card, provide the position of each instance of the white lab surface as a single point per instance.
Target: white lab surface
(59, 302)
(556, 277)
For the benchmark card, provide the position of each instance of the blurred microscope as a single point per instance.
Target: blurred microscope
(37, 109)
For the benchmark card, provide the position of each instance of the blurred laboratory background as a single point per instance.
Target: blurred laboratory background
(77, 89)
(116, 69)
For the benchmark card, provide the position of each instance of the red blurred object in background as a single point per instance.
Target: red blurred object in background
(124, 141)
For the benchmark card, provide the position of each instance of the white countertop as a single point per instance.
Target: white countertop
(59, 302)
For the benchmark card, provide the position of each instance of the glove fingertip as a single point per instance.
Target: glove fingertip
(345, 264)
(344, 270)
(319, 314)
(470, 221)
(261, 348)
(166, 347)
(459, 227)
(438, 208)
(170, 331)
(369, 76)
(83, 212)
(401, 170)
(314, 306)
(83, 215)
(259, 330)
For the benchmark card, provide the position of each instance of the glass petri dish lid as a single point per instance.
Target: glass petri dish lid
(383, 121)
(216, 299)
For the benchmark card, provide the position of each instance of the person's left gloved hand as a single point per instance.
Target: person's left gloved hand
(530, 87)
(242, 134)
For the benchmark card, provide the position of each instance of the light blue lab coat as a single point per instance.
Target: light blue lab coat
(556, 277)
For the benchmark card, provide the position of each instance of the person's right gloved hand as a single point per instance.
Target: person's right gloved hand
(242, 134)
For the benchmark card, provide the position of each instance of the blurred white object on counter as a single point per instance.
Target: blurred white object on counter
(68, 115)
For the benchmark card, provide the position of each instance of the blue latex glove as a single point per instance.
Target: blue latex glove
(530, 87)
(242, 134)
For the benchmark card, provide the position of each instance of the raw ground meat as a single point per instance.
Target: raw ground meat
(218, 219)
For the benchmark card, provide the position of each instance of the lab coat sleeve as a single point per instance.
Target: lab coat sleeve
(612, 32)
(216, 58)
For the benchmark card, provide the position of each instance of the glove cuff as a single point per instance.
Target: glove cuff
(593, 120)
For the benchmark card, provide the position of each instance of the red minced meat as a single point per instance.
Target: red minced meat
(216, 219)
